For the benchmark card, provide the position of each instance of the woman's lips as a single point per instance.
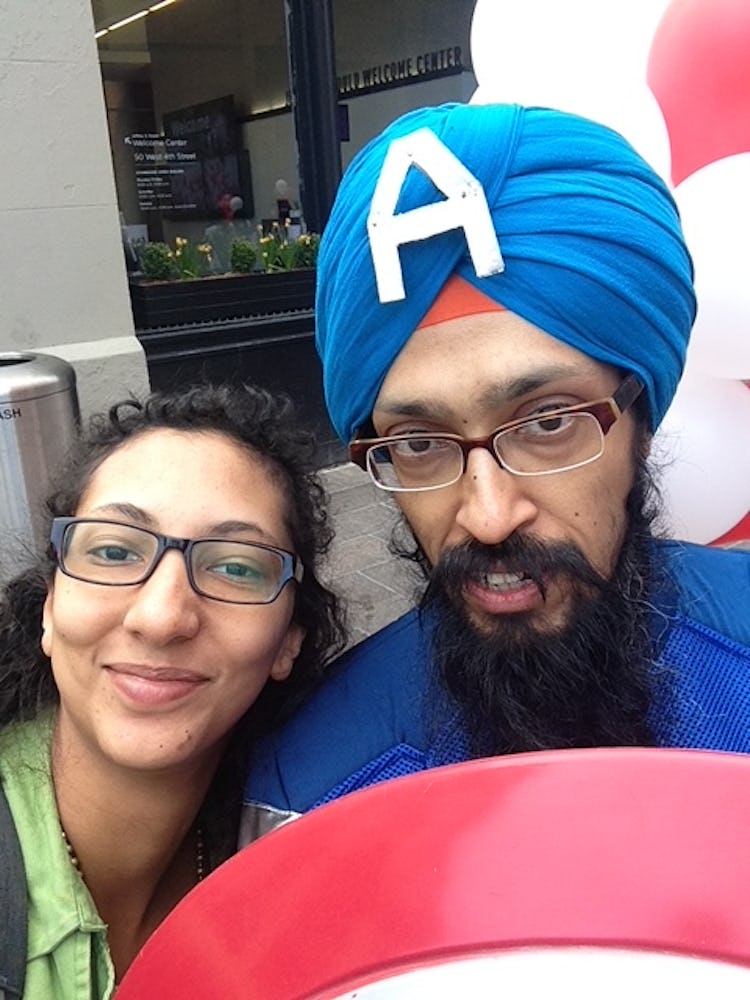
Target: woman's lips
(153, 686)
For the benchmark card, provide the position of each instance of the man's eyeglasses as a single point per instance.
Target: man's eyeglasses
(120, 555)
(539, 445)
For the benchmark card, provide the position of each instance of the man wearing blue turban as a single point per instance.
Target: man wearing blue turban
(503, 310)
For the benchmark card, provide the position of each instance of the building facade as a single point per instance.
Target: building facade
(127, 122)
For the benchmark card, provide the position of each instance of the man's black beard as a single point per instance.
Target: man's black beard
(518, 688)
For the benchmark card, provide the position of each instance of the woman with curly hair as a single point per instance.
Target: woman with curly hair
(177, 617)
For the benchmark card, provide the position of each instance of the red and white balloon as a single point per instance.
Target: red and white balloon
(702, 448)
(699, 70)
(674, 79)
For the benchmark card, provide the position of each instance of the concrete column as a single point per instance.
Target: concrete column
(315, 106)
(63, 287)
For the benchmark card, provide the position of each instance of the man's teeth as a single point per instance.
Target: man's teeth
(503, 581)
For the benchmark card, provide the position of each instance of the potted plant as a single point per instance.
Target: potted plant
(177, 285)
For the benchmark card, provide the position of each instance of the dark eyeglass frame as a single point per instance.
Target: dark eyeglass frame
(605, 411)
(292, 568)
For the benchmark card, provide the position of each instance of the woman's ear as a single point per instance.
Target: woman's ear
(288, 652)
(47, 628)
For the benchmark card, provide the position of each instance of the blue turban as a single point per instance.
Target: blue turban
(590, 235)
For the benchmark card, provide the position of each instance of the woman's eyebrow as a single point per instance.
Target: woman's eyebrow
(124, 509)
(237, 527)
(143, 518)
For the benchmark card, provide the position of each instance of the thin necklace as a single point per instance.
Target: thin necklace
(200, 854)
(71, 853)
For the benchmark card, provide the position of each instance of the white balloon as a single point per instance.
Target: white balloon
(714, 203)
(702, 448)
(588, 57)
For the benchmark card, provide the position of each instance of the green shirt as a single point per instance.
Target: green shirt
(68, 957)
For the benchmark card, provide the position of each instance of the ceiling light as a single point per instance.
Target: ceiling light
(134, 17)
(128, 20)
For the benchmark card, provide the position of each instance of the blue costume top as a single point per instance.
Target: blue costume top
(374, 717)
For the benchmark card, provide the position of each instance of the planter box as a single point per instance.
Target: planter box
(276, 351)
(230, 296)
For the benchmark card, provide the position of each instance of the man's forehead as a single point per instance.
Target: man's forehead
(485, 362)
(496, 342)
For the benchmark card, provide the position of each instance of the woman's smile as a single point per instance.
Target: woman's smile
(145, 686)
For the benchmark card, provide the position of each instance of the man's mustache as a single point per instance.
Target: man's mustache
(523, 554)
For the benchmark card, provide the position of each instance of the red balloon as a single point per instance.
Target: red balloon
(624, 848)
(699, 72)
(739, 533)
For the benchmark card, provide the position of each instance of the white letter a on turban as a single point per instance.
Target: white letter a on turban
(465, 208)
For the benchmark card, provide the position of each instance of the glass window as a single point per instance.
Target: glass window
(190, 86)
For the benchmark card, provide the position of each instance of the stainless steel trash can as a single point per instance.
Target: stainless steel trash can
(38, 420)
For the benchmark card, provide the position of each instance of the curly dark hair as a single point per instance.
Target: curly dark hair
(263, 424)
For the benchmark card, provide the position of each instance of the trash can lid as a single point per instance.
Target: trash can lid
(26, 375)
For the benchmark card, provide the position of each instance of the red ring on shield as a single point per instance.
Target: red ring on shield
(621, 848)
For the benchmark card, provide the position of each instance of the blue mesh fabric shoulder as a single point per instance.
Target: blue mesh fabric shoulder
(449, 747)
(702, 690)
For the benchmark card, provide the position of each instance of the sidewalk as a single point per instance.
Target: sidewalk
(378, 586)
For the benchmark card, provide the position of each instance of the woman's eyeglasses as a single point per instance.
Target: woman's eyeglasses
(113, 554)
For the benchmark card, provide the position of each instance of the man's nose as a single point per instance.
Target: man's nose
(165, 607)
(494, 503)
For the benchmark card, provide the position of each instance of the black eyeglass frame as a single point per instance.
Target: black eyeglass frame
(292, 568)
(605, 411)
